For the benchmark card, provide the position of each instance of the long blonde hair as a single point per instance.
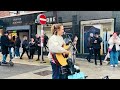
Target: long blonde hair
(55, 28)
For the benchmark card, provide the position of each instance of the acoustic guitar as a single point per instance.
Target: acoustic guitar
(62, 59)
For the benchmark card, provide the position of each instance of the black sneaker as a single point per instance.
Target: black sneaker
(20, 58)
(4, 62)
(43, 61)
(37, 59)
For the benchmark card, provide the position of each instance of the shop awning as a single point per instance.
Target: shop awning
(25, 27)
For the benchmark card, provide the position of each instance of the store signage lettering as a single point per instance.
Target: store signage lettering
(17, 21)
(50, 19)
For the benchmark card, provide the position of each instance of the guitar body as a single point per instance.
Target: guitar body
(61, 58)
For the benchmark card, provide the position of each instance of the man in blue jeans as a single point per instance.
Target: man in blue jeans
(4, 47)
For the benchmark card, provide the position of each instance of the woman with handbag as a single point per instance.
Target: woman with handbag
(25, 46)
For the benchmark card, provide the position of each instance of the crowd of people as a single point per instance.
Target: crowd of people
(94, 46)
(11, 45)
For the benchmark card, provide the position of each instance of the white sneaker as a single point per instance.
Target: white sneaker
(105, 61)
(118, 61)
(16, 57)
(116, 65)
(111, 65)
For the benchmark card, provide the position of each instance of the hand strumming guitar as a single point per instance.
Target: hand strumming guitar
(66, 53)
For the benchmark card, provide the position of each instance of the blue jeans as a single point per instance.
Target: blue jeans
(17, 53)
(113, 57)
(10, 52)
(4, 57)
(55, 71)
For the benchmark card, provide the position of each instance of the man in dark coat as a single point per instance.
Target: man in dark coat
(90, 47)
(38, 47)
(45, 42)
(97, 46)
(4, 46)
(17, 47)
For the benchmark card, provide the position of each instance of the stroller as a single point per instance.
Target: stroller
(72, 71)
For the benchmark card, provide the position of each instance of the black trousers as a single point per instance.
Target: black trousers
(46, 48)
(97, 53)
(39, 53)
(32, 52)
(25, 50)
(90, 54)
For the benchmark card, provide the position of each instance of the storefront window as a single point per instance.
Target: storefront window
(105, 27)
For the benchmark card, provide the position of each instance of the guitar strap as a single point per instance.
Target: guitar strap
(55, 59)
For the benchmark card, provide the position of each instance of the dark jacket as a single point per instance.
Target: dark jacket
(4, 44)
(32, 45)
(11, 44)
(90, 42)
(37, 41)
(25, 44)
(17, 42)
(45, 40)
(98, 44)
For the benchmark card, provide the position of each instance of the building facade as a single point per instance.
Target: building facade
(79, 23)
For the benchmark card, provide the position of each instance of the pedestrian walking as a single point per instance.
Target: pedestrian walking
(25, 46)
